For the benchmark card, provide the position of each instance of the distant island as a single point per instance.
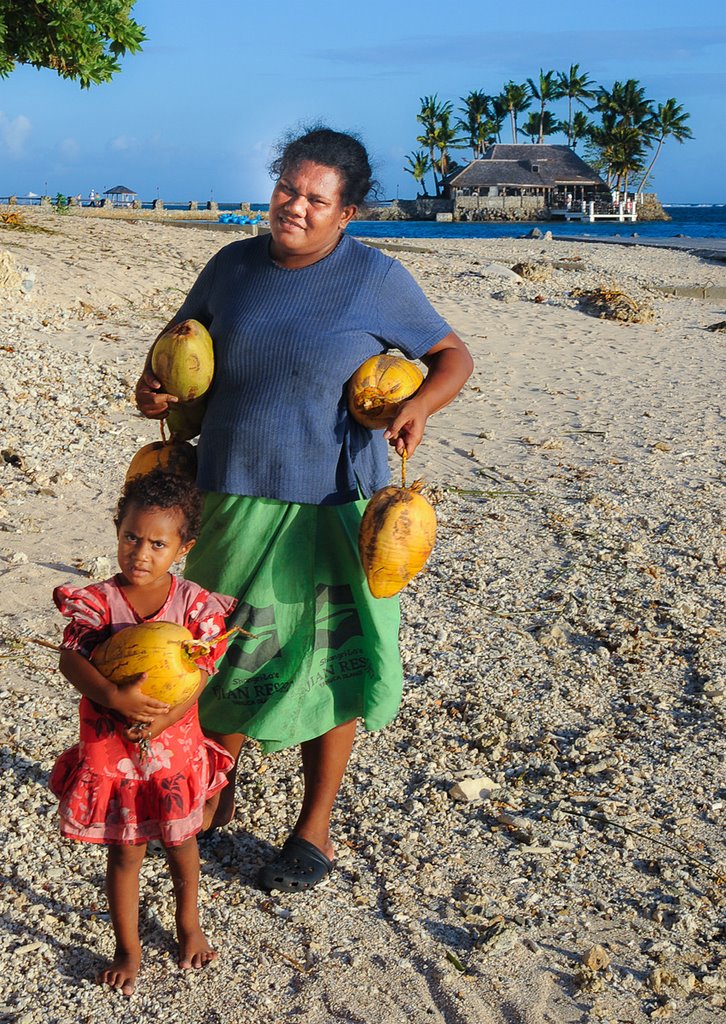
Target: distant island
(622, 133)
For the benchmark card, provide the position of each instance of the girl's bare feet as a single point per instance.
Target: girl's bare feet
(121, 974)
(194, 949)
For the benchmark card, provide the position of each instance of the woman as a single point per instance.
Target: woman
(288, 472)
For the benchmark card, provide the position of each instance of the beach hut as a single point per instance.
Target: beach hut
(120, 195)
(554, 173)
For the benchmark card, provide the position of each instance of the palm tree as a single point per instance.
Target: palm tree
(419, 165)
(545, 90)
(668, 120)
(516, 99)
(579, 128)
(477, 121)
(626, 103)
(430, 115)
(620, 150)
(445, 138)
(577, 88)
(538, 126)
(500, 113)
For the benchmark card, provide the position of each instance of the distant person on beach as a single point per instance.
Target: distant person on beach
(142, 771)
(288, 472)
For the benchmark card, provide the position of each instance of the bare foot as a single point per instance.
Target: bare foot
(218, 811)
(194, 949)
(122, 972)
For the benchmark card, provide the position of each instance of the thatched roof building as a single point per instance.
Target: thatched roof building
(532, 169)
(120, 195)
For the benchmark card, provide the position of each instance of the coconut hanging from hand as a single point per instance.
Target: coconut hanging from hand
(396, 536)
(379, 387)
(170, 456)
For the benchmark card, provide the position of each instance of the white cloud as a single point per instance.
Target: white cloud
(123, 143)
(69, 149)
(14, 133)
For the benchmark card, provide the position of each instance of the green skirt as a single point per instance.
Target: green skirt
(323, 650)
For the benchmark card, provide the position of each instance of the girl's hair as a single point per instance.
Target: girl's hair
(166, 491)
(342, 151)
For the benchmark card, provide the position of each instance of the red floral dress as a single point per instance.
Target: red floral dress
(108, 792)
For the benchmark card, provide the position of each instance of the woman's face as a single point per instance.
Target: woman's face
(307, 214)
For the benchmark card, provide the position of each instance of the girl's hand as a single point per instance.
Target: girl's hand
(406, 431)
(150, 730)
(130, 701)
(143, 732)
(151, 401)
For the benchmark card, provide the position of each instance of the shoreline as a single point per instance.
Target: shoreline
(705, 248)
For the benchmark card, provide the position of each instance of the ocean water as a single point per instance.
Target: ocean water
(691, 220)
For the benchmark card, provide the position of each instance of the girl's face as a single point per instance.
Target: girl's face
(149, 542)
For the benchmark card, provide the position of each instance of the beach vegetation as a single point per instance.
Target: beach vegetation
(418, 165)
(625, 104)
(545, 90)
(479, 123)
(60, 204)
(668, 121)
(15, 220)
(515, 98)
(619, 151)
(539, 126)
(577, 87)
(579, 129)
(439, 136)
(499, 115)
(83, 40)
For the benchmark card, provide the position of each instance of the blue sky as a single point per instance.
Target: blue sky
(195, 115)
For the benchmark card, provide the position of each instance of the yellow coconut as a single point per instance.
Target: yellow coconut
(184, 420)
(178, 457)
(379, 387)
(396, 537)
(166, 651)
(183, 360)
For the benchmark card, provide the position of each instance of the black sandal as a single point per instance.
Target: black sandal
(298, 866)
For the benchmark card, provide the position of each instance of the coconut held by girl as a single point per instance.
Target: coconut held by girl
(287, 472)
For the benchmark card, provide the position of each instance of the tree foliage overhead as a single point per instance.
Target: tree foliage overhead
(83, 40)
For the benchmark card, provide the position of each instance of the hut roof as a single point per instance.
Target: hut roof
(531, 164)
(119, 190)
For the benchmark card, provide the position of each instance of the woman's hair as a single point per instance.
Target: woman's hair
(166, 491)
(342, 151)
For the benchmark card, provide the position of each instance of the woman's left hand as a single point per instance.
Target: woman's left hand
(406, 431)
(449, 364)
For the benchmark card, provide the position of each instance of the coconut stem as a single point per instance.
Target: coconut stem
(199, 648)
(404, 456)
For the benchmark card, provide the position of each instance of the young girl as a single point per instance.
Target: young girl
(113, 788)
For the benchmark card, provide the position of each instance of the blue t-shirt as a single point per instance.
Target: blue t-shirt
(285, 344)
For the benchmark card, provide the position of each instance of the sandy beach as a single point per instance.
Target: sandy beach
(563, 654)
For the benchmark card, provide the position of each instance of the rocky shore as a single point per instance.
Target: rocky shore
(427, 207)
(538, 837)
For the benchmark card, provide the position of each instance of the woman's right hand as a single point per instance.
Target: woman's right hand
(131, 701)
(151, 401)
